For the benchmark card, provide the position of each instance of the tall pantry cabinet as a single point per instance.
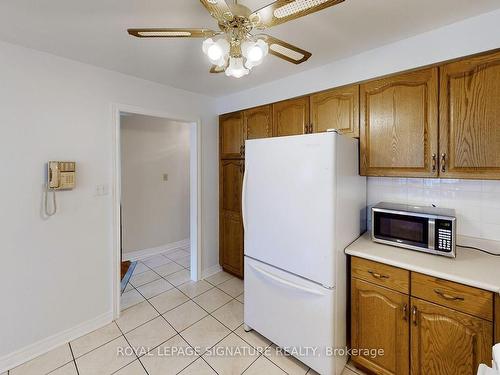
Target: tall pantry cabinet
(234, 129)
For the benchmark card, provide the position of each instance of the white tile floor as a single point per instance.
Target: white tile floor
(162, 309)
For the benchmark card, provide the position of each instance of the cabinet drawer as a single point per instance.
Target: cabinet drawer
(381, 274)
(460, 297)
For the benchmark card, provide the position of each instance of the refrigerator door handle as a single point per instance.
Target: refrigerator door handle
(286, 282)
(243, 198)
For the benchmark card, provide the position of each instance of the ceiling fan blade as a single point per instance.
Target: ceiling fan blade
(171, 33)
(286, 51)
(217, 69)
(218, 9)
(286, 10)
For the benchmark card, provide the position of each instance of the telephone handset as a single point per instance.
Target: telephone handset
(60, 176)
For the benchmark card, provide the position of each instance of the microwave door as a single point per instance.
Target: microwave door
(404, 230)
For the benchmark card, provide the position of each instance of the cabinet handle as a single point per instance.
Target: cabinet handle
(414, 315)
(434, 162)
(377, 275)
(447, 296)
(443, 162)
(405, 312)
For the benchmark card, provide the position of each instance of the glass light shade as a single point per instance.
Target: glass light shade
(217, 51)
(236, 68)
(254, 52)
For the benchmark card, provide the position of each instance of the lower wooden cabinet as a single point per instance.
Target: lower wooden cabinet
(231, 243)
(379, 320)
(418, 336)
(447, 342)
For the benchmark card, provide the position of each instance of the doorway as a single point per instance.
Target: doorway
(156, 194)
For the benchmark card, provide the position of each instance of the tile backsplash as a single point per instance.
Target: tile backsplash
(476, 202)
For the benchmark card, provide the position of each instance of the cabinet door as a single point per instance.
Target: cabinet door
(470, 118)
(399, 125)
(379, 320)
(230, 221)
(447, 342)
(258, 122)
(291, 117)
(336, 109)
(231, 135)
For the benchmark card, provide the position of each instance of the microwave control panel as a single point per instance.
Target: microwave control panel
(444, 235)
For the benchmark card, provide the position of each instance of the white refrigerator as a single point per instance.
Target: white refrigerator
(303, 202)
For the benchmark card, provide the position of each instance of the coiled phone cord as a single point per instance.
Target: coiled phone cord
(54, 202)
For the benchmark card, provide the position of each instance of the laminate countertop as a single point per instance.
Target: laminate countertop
(470, 267)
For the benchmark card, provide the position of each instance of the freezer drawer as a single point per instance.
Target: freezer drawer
(291, 312)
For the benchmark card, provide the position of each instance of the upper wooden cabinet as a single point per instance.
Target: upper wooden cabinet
(399, 125)
(291, 117)
(231, 135)
(258, 122)
(380, 320)
(336, 109)
(447, 342)
(470, 118)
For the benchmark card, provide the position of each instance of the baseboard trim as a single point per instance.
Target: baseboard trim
(9, 361)
(144, 253)
(211, 271)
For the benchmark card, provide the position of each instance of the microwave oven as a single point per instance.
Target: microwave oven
(427, 229)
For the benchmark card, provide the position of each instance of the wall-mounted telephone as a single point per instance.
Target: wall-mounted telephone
(61, 175)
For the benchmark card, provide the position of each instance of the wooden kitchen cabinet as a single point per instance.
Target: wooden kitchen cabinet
(258, 122)
(230, 219)
(379, 320)
(469, 126)
(231, 135)
(291, 117)
(432, 327)
(447, 342)
(336, 109)
(399, 125)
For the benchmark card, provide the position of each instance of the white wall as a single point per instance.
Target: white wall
(154, 212)
(470, 36)
(57, 273)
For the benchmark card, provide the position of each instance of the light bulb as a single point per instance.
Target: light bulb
(217, 51)
(214, 52)
(206, 44)
(255, 53)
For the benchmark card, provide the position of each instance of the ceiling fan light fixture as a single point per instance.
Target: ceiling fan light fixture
(296, 7)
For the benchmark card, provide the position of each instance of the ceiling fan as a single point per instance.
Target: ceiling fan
(236, 47)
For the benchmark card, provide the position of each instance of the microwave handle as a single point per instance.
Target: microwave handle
(432, 234)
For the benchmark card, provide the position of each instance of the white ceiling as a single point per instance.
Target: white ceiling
(94, 32)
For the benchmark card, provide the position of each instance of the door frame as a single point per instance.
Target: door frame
(195, 201)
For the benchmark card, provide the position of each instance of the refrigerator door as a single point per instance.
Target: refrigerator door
(288, 204)
(293, 313)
